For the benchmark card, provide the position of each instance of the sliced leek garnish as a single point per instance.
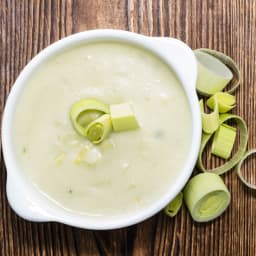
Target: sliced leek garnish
(88, 116)
(94, 120)
(99, 129)
(238, 170)
(214, 73)
(206, 197)
(237, 156)
(84, 111)
(174, 206)
(123, 117)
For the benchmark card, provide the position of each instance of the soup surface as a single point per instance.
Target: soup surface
(127, 171)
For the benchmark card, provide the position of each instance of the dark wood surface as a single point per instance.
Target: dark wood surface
(27, 26)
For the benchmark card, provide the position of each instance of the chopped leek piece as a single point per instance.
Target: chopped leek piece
(225, 101)
(88, 116)
(206, 197)
(99, 129)
(210, 122)
(84, 111)
(174, 206)
(80, 156)
(214, 73)
(223, 141)
(123, 117)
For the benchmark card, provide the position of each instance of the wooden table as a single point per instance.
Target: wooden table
(27, 26)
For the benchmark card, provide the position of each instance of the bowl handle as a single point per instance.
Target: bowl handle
(181, 57)
(23, 202)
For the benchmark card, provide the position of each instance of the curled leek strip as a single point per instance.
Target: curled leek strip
(88, 116)
(238, 170)
(237, 156)
(85, 111)
(213, 71)
(225, 101)
(174, 206)
(210, 122)
(206, 197)
(99, 129)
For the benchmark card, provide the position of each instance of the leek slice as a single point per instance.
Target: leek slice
(84, 111)
(238, 170)
(174, 206)
(99, 129)
(123, 117)
(214, 73)
(225, 101)
(206, 197)
(223, 141)
(237, 156)
(210, 122)
(88, 116)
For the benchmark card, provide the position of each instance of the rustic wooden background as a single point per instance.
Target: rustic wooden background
(27, 26)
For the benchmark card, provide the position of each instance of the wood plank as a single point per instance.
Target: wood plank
(28, 26)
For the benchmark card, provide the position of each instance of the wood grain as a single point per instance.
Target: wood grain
(27, 26)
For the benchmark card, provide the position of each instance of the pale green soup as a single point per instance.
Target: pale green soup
(129, 170)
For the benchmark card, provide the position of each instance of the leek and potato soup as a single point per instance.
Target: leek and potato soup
(128, 170)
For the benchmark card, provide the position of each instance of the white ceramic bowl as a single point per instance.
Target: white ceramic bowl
(32, 205)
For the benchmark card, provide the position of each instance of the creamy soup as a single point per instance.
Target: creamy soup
(128, 170)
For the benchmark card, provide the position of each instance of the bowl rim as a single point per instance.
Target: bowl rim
(40, 208)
